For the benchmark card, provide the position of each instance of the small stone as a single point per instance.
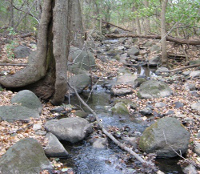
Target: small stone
(146, 111)
(160, 105)
(37, 127)
(195, 74)
(178, 105)
(100, 143)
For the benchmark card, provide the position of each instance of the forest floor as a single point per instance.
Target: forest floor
(185, 114)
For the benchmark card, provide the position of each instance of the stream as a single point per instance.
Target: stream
(84, 159)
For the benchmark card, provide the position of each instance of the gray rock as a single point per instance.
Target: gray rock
(100, 143)
(21, 51)
(194, 74)
(14, 113)
(54, 148)
(196, 106)
(186, 73)
(160, 105)
(120, 108)
(80, 60)
(126, 78)
(162, 70)
(71, 129)
(28, 99)
(190, 169)
(121, 91)
(155, 48)
(146, 111)
(37, 127)
(197, 148)
(26, 156)
(154, 61)
(80, 81)
(133, 51)
(154, 89)
(178, 105)
(189, 86)
(159, 139)
(138, 82)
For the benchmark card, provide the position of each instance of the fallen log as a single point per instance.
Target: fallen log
(168, 38)
(185, 67)
(16, 64)
(116, 26)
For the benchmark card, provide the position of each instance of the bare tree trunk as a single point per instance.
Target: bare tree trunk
(137, 21)
(11, 14)
(146, 19)
(163, 33)
(77, 31)
(46, 72)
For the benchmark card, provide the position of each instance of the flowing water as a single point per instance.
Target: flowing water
(85, 159)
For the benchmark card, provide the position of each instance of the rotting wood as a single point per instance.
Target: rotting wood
(168, 38)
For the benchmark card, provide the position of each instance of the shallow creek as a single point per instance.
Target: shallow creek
(85, 159)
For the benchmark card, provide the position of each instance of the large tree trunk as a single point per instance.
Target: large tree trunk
(46, 72)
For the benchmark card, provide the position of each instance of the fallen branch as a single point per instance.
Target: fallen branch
(168, 38)
(117, 26)
(17, 64)
(185, 67)
(122, 146)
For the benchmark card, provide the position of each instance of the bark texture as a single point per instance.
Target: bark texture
(77, 32)
(163, 33)
(45, 74)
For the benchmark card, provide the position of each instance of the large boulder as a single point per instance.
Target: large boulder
(54, 148)
(28, 99)
(26, 156)
(80, 60)
(154, 89)
(14, 113)
(71, 129)
(165, 142)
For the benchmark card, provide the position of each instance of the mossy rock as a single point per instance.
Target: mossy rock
(26, 156)
(154, 89)
(159, 139)
(120, 109)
